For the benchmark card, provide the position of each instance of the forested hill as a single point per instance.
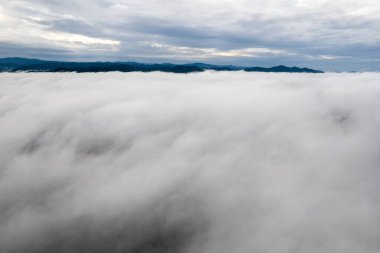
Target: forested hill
(17, 64)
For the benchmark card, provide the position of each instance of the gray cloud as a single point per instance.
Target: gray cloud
(209, 162)
(307, 28)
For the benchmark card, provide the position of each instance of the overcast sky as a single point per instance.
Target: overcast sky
(330, 35)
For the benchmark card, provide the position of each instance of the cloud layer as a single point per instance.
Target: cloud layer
(333, 35)
(207, 162)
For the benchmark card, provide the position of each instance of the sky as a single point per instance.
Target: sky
(340, 35)
(216, 162)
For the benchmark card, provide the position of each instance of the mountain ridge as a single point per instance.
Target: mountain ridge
(17, 64)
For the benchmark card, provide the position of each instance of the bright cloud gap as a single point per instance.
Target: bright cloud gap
(214, 52)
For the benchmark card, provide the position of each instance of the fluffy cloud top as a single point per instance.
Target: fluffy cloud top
(208, 162)
(333, 35)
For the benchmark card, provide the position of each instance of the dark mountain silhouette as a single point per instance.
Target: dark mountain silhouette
(282, 68)
(34, 65)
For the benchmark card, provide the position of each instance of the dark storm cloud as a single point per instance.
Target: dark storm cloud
(12, 49)
(72, 26)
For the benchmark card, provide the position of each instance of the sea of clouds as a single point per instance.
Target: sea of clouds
(213, 162)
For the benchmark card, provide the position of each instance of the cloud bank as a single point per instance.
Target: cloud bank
(207, 162)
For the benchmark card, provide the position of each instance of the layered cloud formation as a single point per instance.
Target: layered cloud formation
(332, 35)
(207, 162)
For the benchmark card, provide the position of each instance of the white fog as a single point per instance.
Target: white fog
(213, 162)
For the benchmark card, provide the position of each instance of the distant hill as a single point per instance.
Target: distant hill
(282, 68)
(16, 64)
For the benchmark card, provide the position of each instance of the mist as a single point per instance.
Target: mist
(213, 162)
